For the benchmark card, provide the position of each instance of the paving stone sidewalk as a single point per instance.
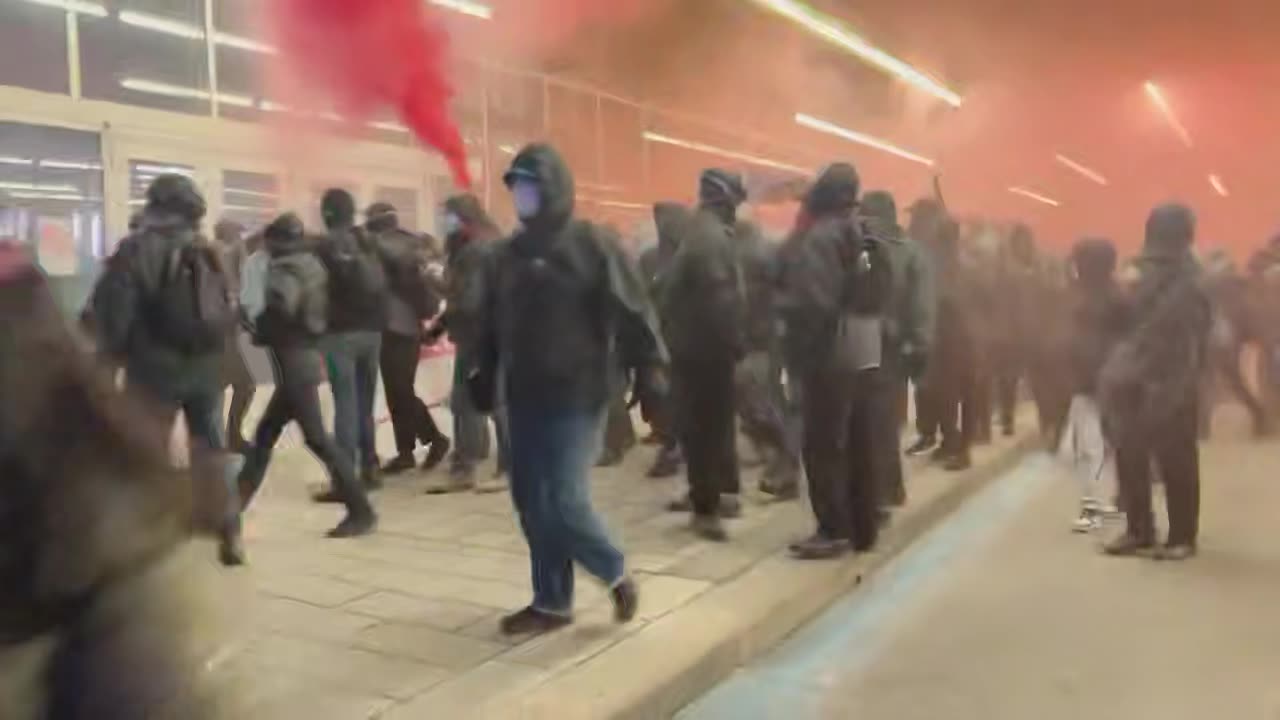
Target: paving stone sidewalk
(403, 624)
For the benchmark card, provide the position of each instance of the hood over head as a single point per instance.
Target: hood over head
(834, 193)
(721, 191)
(285, 235)
(476, 223)
(173, 198)
(338, 208)
(671, 219)
(1095, 261)
(879, 204)
(543, 165)
(381, 216)
(1170, 233)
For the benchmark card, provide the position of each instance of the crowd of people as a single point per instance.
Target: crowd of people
(810, 346)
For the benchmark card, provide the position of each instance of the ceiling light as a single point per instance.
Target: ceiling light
(862, 139)
(28, 195)
(1034, 196)
(160, 24)
(832, 31)
(1072, 164)
(389, 126)
(76, 6)
(732, 155)
(623, 205)
(1157, 96)
(69, 165)
(466, 7)
(243, 43)
(159, 88)
(251, 193)
(142, 169)
(7, 185)
(10, 160)
(508, 149)
(1218, 187)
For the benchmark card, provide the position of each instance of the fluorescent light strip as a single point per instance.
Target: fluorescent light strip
(75, 6)
(250, 193)
(160, 24)
(1072, 164)
(147, 169)
(27, 195)
(389, 126)
(862, 139)
(1218, 187)
(181, 91)
(713, 150)
(1034, 196)
(508, 149)
(830, 29)
(69, 165)
(1157, 96)
(243, 43)
(466, 7)
(7, 185)
(250, 209)
(10, 160)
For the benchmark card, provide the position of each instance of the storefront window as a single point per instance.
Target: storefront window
(147, 52)
(33, 46)
(249, 198)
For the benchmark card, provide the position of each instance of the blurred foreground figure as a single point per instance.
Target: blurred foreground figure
(93, 620)
(672, 222)
(562, 306)
(1149, 388)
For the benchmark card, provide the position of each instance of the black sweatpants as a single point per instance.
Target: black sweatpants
(840, 454)
(296, 398)
(707, 422)
(887, 417)
(411, 421)
(1176, 454)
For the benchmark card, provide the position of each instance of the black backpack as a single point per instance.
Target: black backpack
(295, 301)
(357, 277)
(192, 310)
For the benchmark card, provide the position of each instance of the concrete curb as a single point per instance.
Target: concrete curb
(674, 660)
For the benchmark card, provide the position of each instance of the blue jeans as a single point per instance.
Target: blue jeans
(551, 459)
(353, 378)
(471, 443)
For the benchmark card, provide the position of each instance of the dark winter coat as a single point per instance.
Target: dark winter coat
(467, 252)
(562, 301)
(910, 317)
(703, 301)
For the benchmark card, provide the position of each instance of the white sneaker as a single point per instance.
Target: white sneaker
(1086, 523)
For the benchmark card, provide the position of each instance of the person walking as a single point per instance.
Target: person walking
(672, 221)
(834, 289)
(291, 326)
(563, 304)
(1149, 389)
(704, 307)
(412, 301)
(358, 296)
(235, 366)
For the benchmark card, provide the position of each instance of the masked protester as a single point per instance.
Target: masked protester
(703, 306)
(1099, 319)
(293, 322)
(414, 299)
(835, 285)
(928, 219)
(358, 297)
(563, 306)
(93, 520)
(1149, 388)
(672, 221)
(908, 330)
(471, 239)
(235, 367)
(165, 312)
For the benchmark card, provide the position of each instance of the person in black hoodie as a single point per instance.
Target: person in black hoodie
(671, 220)
(834, 285)
(563, 306)
(412, 301)
(357, 313)
(1149, 388)
(291, 326)
(470, 239)
(704, 306)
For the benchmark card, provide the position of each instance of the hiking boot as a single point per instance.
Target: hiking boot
(730, 506)
(400, 464)
(437, 451)
(921, 446)
(459, 480)
(709, 527)
(531, 622)
(626, 600)
(354, 525)
(1128, 545)
(1177, 552)
(819, 547)
(231, 550)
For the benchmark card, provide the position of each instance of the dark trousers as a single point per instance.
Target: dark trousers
(299, 401)
(957, 409)
(410, 418)
(840, 457)
(1007, 371)
(927, 407)
(243, 387)
(704, 388)
(619, 430)
(887, 417)
(1173, 449)
(761, 404)
(353, 379)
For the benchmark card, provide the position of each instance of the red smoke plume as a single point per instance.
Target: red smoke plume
(371, 54)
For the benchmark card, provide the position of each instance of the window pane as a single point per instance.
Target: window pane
(33, 46)
(149, 52)
(242, 51)
(251, 199)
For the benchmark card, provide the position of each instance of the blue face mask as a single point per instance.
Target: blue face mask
(527, 199)
(452, 224)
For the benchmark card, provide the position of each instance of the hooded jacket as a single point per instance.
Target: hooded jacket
(1100, 315)
(703, 301)
(671, 220)
(563, 304)
(467, 251)
(909, 320)
(822, 273)
(412, 299)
